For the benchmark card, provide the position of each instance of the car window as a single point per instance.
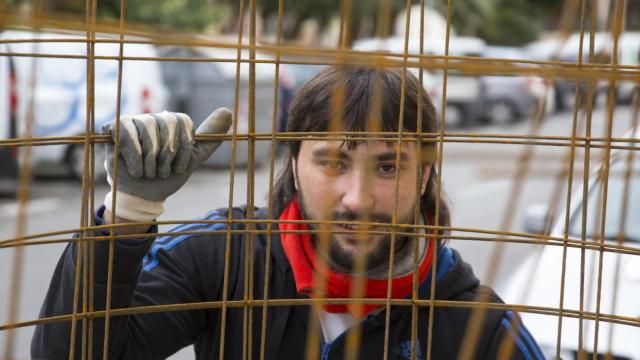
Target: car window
(614, 212)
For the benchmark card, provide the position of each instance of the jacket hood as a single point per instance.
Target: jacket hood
(453, 276)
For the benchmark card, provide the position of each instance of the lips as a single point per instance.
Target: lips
(354, 228)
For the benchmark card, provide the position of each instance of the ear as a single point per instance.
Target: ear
(426, 174)
(295, 173)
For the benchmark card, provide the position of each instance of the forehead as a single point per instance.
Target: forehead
(360, 148)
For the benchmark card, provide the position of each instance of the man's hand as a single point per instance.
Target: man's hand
(157, 155)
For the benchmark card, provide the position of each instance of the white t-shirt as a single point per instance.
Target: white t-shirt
(334, 324)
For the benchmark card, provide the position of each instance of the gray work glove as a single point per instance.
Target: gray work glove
(157, 155)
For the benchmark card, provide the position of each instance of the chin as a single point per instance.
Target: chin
(355, 245)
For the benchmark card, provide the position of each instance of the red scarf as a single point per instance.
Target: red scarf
(301, 254)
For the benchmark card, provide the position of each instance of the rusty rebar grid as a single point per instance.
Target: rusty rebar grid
(284, 53)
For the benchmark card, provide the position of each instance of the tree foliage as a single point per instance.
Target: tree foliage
(513, 22)
(177, 14)
(188, 15)
(508, 22)
(501, 22)
(297, 11)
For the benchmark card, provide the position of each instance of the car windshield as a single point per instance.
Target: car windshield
(615, 195)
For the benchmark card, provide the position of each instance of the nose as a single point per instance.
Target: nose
(358, 194)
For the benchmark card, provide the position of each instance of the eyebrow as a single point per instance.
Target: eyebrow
(388, 156)
(330, 152)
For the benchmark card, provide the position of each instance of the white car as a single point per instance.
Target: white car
(60, 89)
(537, 282)
(629, 45)
(432, 85)
(496, 99)
(567, 50)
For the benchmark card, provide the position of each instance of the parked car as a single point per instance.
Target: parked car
(512, 98)
(59, 90)
(541, 273)
(8, 171)
(629, 55)
(471, 98)
(199, 87)
(567, 50)
(8, 155)
(463, 91)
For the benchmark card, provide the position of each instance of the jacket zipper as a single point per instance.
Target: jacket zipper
(326, 349)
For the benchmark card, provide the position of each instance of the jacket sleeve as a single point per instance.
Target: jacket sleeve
(173, 280)
(512, 339)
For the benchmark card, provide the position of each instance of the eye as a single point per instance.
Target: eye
(333, 166)
(388, 169)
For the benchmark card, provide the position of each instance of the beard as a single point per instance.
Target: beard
(341, 260)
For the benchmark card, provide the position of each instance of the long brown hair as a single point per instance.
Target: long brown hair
(311, 111)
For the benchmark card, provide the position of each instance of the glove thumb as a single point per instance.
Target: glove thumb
(217, 123)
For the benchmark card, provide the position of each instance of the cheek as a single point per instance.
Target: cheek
(319, 192)
(386, 195)
(407, 194)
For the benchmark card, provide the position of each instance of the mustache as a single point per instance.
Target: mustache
(353, 216)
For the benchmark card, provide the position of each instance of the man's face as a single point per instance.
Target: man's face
(357, 184)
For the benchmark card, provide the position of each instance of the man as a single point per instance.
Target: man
(361, 185)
